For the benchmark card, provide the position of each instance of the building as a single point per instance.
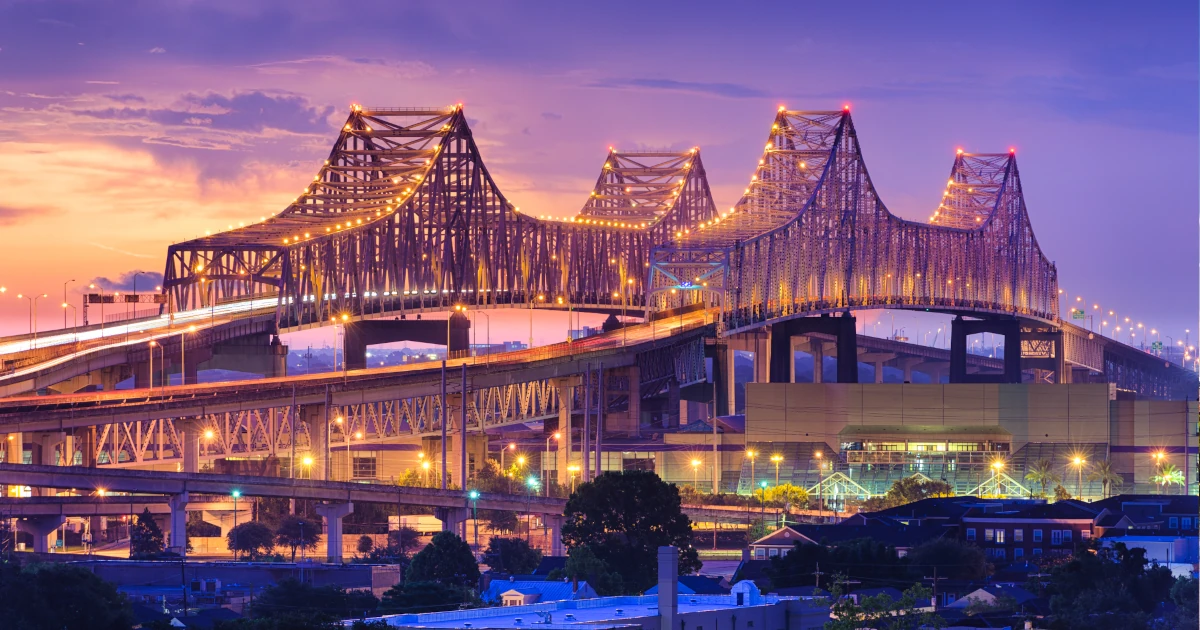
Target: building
(992, 595)
(890, 532)
(1047, 529)
(980, 438)
(514, 592)
(743, 607)
(696, 585)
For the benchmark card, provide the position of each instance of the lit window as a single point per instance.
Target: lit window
(1000, 536)
(1037, 535)
(1018, 535)
(989, 535)
(1056, 537)
(971, 533)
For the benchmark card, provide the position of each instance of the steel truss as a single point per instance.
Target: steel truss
(272, 430)
(811, 235)
(404, 215)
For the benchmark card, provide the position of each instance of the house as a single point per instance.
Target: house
(1151, 513)
(1043, 529)
(993, 593)
(885, 530)
(514, 592)
(696, 585)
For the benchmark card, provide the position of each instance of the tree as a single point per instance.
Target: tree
(252, 540)
(511, 555)
(291, 598)
(908, 490)
(60, 596)
(799, 566)
(787, 496)
(625, 517)
(881, 611)
(951, 558)
(1060, 493)
(1108, 589)
(424, 596)
(446, 559)
(582, 564)
(145, 537)
(365, 544)
(1108, 478)
(404, 539)
(502, 521)
(1168, 475)
(1042, 473)
(1186, 597)
(297, 532)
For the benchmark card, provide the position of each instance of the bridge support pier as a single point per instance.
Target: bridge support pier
(333, 513)
(554, 530)
(44, 530)
(177, 528)
(566, 445)
(782, 359)
(453, 520)
(961, 328)
(368, 332)
(191, 446)
(317, 420)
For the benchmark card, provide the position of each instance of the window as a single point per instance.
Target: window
(1037, 551)
(1018, 535)
(1187, 522)
(1037, 535)
(1018, 553)
(1085, 534)
(773, 552)
(970, 533)
(1066, 535)
(1000, 554)
(1000, 536)
(365, 467)
(760, 553)
(989, 535)
(1173, 522)
(1056, 537)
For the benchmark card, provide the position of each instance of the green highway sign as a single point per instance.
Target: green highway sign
(1157, 345)
(1076, 313)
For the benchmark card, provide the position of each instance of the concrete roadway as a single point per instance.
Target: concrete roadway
(174, 484)
(615, 349)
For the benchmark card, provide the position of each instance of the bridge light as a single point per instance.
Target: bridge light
(99, 491)
(781, 108)
(345, 317)
(208, 434)
(846, 108)
(358, 435)
(307, 461)
(960, 152)
(473, 495)
(1012, 150)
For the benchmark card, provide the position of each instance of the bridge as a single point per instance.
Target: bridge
(403, 219)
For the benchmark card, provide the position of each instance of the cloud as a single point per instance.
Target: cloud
(122, 251)
(103, 82)
(146, 281)
(10, 214)
(726, 90)
(254, 111)
(333, 65)
(157, 50)
(551, 116)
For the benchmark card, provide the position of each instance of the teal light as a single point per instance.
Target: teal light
(762, 484)
(237, 494)
(532, 482)
(474, 494)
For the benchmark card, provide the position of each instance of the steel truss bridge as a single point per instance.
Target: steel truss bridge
(404, 216)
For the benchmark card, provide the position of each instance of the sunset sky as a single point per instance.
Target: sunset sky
(126, 126)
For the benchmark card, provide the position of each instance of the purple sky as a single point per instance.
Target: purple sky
(125, 126)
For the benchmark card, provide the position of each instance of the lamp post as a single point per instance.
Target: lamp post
(540, 298)
(777, 459)
(997, 466)
(573, 469)
(545, 473)
(1079, 462)
(75, 317)
(65, 303)
(696, 474)
(1159, 456)
(487, 319)
(762, 501)
(32, 315)
(473, 495)
(512, 446)
(425, 466)
(183, 353)
(236, 493)
(532, 484)
(753, 478)
(820, 482)
(151, 353)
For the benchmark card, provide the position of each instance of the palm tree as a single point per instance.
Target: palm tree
(1108, 478)
(1167, 475)
(1042, 473)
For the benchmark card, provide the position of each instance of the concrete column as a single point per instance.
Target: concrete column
(49, 443)
(318, 434)
(668, 586)
(15, 448)
(69, 450)
(554, 525)
(178, 523)
(191, 445)
(44, 530)
(453, 519)
(333, 513)
(879, 371)
(817, 348)
(565, 388)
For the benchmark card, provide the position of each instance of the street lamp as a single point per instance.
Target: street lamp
(65, 303)
(556, 436)
(762, 501)
(425, 465)
(1079, 462)
(777, 459)
(532, 484)
(573, 469)
(473, 495)
(75, 316)
(32, 315)
(753, 478)
(820, 481)
(182, 353)
(997, 466)
(696, 474)
(1159, 456)
(458, 308)
(236, 494)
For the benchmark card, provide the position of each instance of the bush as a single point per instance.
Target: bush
(252, 540)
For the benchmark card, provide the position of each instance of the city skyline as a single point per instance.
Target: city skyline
(122, 139)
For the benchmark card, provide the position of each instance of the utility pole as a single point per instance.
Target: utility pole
(935, 579)
(445, 416)
(818, 574)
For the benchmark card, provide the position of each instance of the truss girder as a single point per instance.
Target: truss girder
(404, 214)
(812, 235)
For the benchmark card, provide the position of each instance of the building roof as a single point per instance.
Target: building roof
(696, 585)
(1188, 505)
(900, 536)
(553, 590)
(1058, 510)
(785, 536)
(1001, 590)
(550, 563)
